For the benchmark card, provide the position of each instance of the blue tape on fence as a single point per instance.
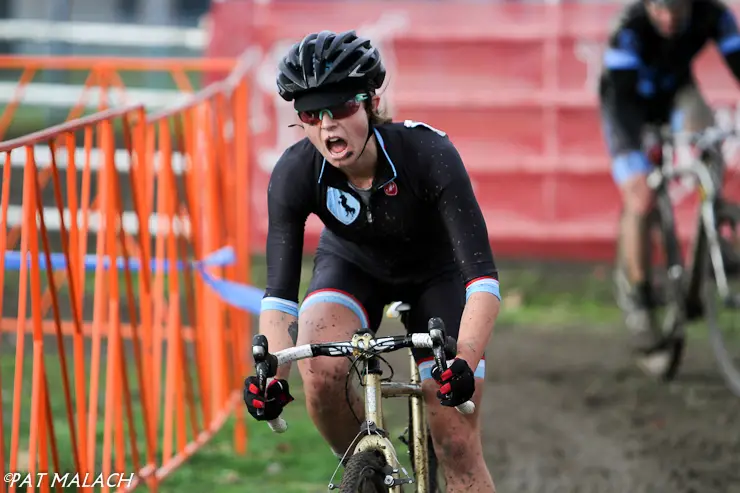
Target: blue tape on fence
(220, 258)
(239, 295)
(233, 293)
(58, 262)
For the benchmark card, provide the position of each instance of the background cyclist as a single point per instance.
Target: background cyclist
(647, 79)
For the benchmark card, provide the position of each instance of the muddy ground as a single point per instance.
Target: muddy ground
(568, 412)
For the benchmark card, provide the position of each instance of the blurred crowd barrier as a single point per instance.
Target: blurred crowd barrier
(512, 83)
(116, 226)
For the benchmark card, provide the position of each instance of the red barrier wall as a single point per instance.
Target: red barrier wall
(513, 85)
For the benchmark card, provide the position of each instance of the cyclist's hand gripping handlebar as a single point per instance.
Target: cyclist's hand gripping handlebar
(266, 366)
(458, 378)
(442, 351)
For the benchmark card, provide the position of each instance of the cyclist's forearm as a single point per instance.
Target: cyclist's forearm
(476, 326)
(281, 330)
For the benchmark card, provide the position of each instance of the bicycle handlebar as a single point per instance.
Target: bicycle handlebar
(704, 140)
(710, 137)
(266, 364)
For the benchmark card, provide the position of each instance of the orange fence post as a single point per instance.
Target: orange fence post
(110, 263)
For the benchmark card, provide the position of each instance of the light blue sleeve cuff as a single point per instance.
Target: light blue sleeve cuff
(485, 285)
(285, 306)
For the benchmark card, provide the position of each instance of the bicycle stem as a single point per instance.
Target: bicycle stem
(373, 404)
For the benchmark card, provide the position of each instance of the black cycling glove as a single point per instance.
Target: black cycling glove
(457, 383)
(277, 397)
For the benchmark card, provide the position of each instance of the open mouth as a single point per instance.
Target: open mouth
(337, 147)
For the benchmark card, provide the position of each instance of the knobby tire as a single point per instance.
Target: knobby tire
(655, 225)
(364, 473)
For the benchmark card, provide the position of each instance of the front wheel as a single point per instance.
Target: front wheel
(659, 249)
(364, 473)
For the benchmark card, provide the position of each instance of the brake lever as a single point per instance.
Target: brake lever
(265, 364)
(437, 334)
(442, 347)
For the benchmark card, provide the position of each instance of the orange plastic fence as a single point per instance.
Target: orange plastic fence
(128, 343)
(104, 75)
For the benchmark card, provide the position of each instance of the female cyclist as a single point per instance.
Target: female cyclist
(401, 223)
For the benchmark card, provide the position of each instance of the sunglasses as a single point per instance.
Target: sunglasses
(336, 112)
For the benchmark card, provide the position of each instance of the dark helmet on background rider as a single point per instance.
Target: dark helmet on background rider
(328, 68)
(670, 4)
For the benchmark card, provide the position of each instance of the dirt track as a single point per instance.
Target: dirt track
(570, 413)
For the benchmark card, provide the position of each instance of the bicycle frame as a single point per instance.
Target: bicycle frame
(367, 348)
(706, 239)
(375, 390)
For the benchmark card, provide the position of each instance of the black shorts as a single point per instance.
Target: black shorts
(336, 280)
(624, 126)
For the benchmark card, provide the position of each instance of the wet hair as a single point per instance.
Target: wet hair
(378, 116)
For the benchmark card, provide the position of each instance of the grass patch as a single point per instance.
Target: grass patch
(298, 461)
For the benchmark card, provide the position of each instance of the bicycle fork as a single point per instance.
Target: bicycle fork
(378, 441)
(707, 239)
(372, 433)
(709, 224)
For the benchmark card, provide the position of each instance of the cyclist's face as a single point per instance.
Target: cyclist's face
(340, 139)
(668, 20)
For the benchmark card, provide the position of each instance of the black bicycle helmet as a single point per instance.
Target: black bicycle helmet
(328, 61)
(671, 4)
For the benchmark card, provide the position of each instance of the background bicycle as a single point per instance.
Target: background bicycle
(695, 285)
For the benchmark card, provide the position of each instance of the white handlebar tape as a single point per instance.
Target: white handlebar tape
(278, 425)
(466, 407)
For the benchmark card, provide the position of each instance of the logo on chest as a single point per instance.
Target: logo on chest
(342, 205)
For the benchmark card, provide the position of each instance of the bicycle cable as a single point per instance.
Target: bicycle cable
(352, 367)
